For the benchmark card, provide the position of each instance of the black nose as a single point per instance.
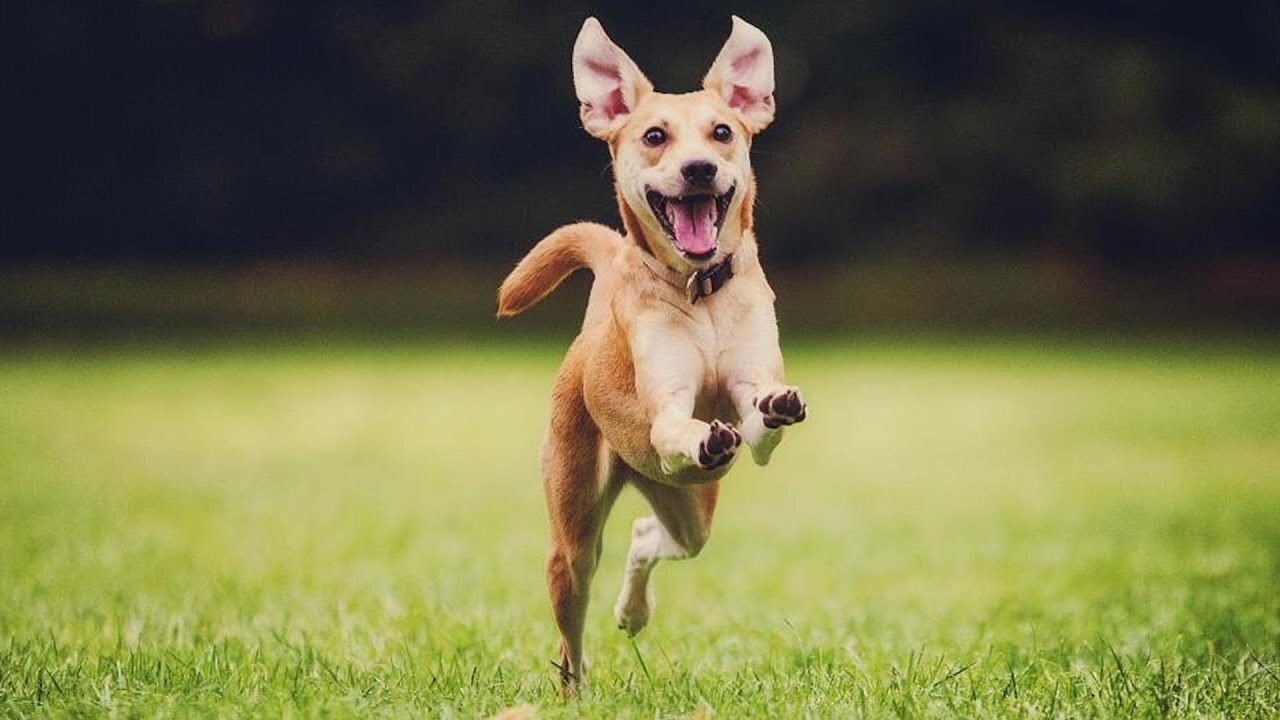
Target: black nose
(698, 173)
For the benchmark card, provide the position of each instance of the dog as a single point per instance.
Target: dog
(677, 364)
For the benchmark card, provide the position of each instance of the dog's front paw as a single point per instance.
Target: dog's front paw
(783, 406)
(719, 446)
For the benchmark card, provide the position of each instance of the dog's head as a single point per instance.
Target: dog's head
(681, 162)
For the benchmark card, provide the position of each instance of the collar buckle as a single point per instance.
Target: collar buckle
(702, 283)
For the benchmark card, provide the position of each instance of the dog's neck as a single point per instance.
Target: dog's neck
(695, 285)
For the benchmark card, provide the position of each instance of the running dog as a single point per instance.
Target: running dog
(677, 364)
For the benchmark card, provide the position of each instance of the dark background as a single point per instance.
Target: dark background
(1118, 149)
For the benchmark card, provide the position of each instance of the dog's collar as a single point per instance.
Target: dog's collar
(702, 283)
(699, 283)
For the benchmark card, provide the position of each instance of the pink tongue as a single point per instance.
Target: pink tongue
(695, 224)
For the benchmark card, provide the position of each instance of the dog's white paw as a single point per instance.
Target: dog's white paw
(781, 406)
(772, 410)
(703, 446)
(719, 446)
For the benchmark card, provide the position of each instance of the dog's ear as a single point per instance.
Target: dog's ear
(743, 74)
(607, 82)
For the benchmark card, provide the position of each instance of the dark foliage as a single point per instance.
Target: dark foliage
(1139, 133)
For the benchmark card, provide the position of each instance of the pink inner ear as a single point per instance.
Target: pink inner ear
(742, 98)
(743, 68)
(609, 85)
(613, 106)
(745, 63)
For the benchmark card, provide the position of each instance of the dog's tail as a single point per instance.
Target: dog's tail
(582, 244)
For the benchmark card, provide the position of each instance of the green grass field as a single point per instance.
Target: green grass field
(962, 529)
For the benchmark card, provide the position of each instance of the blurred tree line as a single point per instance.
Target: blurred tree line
(1122, 133)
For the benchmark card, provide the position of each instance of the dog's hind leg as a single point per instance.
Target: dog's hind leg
(679, 527)
(580, 486)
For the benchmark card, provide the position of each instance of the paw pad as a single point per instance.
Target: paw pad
(781, 408)
(718, 448)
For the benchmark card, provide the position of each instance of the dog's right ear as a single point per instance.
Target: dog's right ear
(608, 83)
(743, 75)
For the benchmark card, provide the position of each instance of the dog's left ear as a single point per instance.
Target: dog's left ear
(743, 74)
(607, 82)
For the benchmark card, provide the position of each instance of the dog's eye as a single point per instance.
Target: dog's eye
(654, 136)
(722, 133)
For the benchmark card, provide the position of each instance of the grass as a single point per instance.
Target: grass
(347, 529)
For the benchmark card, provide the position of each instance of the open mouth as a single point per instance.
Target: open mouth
(691, 221)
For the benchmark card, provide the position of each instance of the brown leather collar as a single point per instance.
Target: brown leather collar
(702, 283)
(696, 285)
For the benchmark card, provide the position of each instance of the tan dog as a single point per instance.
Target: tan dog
(677, 362)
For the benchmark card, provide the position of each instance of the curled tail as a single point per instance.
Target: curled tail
(570, 247)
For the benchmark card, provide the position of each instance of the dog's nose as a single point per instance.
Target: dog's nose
(698, 173)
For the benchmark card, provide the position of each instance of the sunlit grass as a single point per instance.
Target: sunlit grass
(960, 530)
